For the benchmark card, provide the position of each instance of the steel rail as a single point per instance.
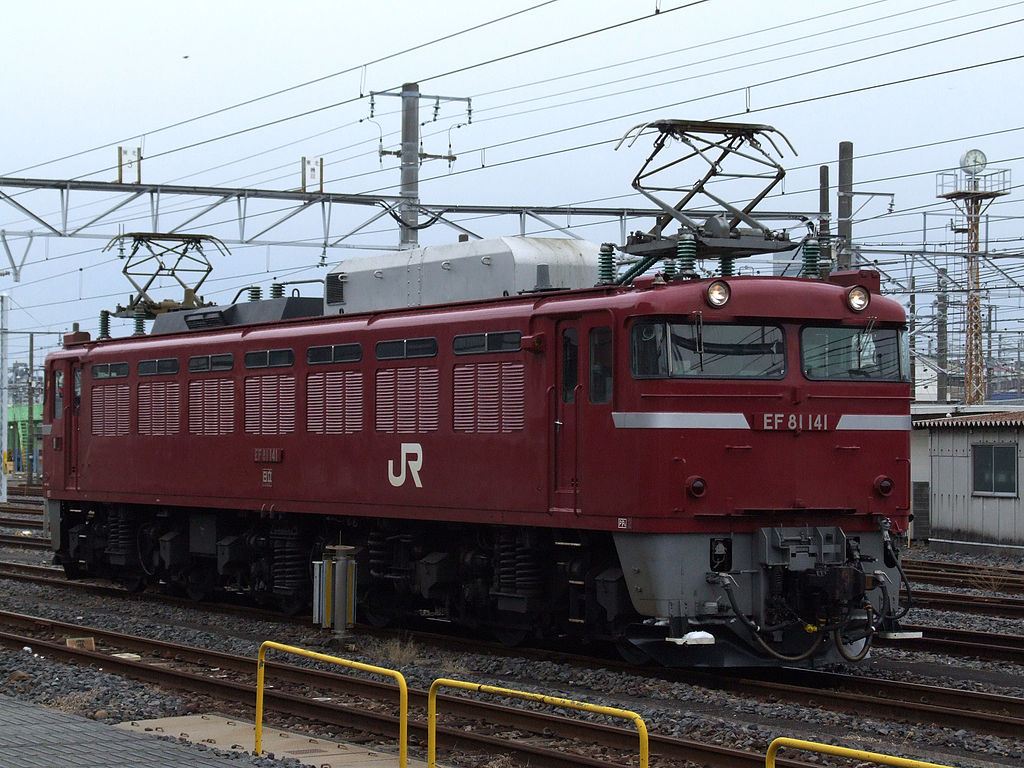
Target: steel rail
(12, 507)
(961, 642)
(28, 542)
(21, 522)
(940, 566)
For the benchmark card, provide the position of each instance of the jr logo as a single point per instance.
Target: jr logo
(412, 457)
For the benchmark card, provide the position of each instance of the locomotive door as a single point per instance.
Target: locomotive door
(568, 393)
(583, 481)
(62, 410)
(74, 414)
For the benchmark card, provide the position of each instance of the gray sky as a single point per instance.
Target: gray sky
(81, 76)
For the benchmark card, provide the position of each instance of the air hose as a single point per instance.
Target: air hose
(726, 581)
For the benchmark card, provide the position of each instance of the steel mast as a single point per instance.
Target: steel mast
(972, 190)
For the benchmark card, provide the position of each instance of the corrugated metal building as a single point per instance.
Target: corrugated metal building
(975, 482)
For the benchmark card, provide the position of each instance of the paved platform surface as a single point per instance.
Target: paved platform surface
(230, 735)
(33, 736)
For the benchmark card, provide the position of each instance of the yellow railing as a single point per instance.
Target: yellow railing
(444, 683)
(403, 692)
(856, 754)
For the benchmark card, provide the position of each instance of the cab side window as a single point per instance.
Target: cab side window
(601, 365)
(570, 361)
(58, 394)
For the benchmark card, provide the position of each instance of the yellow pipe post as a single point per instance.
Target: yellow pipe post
(403, 692)
(552, 700)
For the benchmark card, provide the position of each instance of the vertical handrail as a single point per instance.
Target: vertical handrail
(552, 700)
(403, 691)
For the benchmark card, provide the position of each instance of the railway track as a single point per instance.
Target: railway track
(899, 701)
(935, 639)
(52, 576)
(841, 692)
(174, 665)
(983, 577)
(1008, 607)
(467, 723)
(22, 513)
(964, 642)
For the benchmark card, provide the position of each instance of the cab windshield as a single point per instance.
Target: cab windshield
(691, 349)
(855, 354)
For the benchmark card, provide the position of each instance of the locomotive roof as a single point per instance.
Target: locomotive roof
(760, 297)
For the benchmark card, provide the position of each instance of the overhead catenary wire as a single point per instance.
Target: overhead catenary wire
(306, 113)
(479, 110)
(769, 108)
(696, 99)
(804, 51)
(639, 113)
(755, 85)
(297, 86)
(323, 108)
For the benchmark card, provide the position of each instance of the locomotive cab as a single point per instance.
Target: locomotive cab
(772, 452)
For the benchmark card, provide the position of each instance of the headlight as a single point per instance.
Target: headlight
(858, 298)
(718, 293)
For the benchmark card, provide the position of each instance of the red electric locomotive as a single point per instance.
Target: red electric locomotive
(706, 471)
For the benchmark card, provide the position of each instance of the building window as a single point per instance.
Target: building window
(994, 470)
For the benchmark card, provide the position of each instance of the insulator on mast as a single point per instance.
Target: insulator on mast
(686, 252)
(811, 252)
(606, 264)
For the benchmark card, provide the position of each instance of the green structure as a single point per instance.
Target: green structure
(18, 426)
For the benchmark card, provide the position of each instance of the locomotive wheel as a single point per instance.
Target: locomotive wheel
(293, 605)
(510, 637)
(72, 568)
(630, 653)
(374, 619)
(199, 582)
(371, 610)
(134, 584)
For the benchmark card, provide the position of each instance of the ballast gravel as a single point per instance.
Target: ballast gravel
(668, 708)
